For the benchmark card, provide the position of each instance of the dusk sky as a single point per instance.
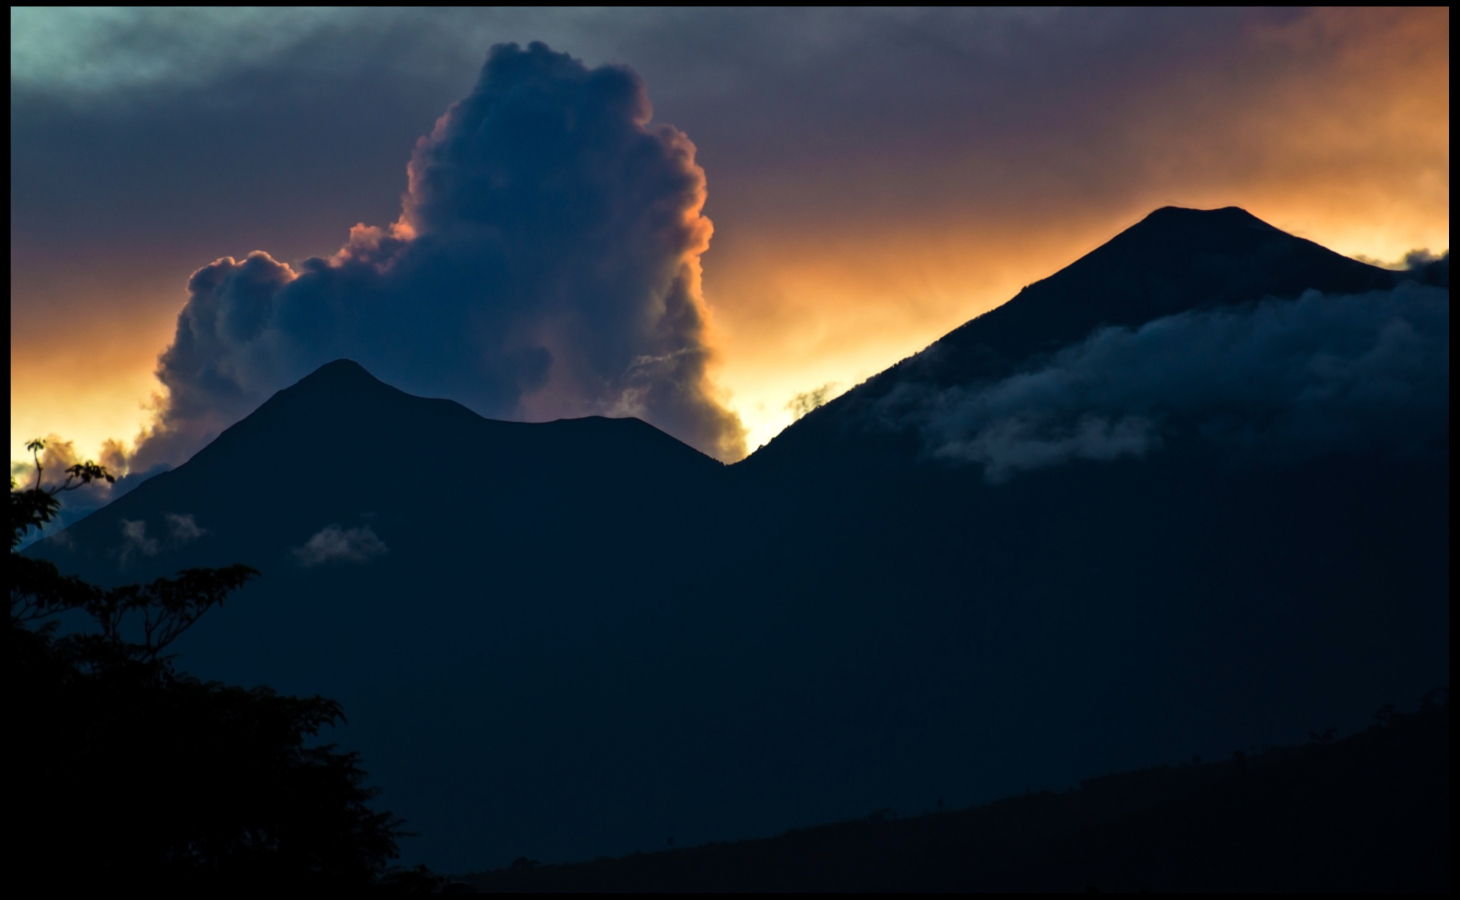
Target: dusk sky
(870, 181)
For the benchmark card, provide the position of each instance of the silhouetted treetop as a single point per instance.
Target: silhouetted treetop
(127, 772)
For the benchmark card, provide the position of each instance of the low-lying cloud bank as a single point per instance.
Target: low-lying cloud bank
(1270, 381)
(545, 264)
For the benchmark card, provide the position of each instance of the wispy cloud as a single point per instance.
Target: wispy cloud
(805, 402)
(183, 528)
(334, 544)
(135, 540)
(1274, 380)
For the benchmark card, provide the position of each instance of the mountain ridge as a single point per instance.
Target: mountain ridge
(306, 441)
(1142, 273)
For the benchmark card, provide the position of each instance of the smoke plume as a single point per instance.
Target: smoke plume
(545, 264)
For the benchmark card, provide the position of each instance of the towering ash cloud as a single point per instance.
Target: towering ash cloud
(545, 264)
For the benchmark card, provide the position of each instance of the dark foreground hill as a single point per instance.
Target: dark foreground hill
(1365, 814)
(579, 638)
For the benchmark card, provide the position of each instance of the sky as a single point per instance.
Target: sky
(712, 219)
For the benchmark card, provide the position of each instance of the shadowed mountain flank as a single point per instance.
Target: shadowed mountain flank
(578, 638)
(1369, 813)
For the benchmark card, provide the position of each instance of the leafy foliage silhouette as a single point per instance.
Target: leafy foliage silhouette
(127, 771)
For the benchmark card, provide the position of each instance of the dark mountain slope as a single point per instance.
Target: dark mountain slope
(341, 447)
(1369, 813)
(579, 638)
(1172, 261)
(519, 581)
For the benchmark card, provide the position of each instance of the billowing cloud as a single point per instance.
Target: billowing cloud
(335, 544)
(545, 264)
(1273, 380)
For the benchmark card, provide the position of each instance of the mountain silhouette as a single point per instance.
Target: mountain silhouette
(577, 638)
(1174, 260)
(341, 447)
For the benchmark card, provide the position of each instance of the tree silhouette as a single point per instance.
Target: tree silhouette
(126, 771)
